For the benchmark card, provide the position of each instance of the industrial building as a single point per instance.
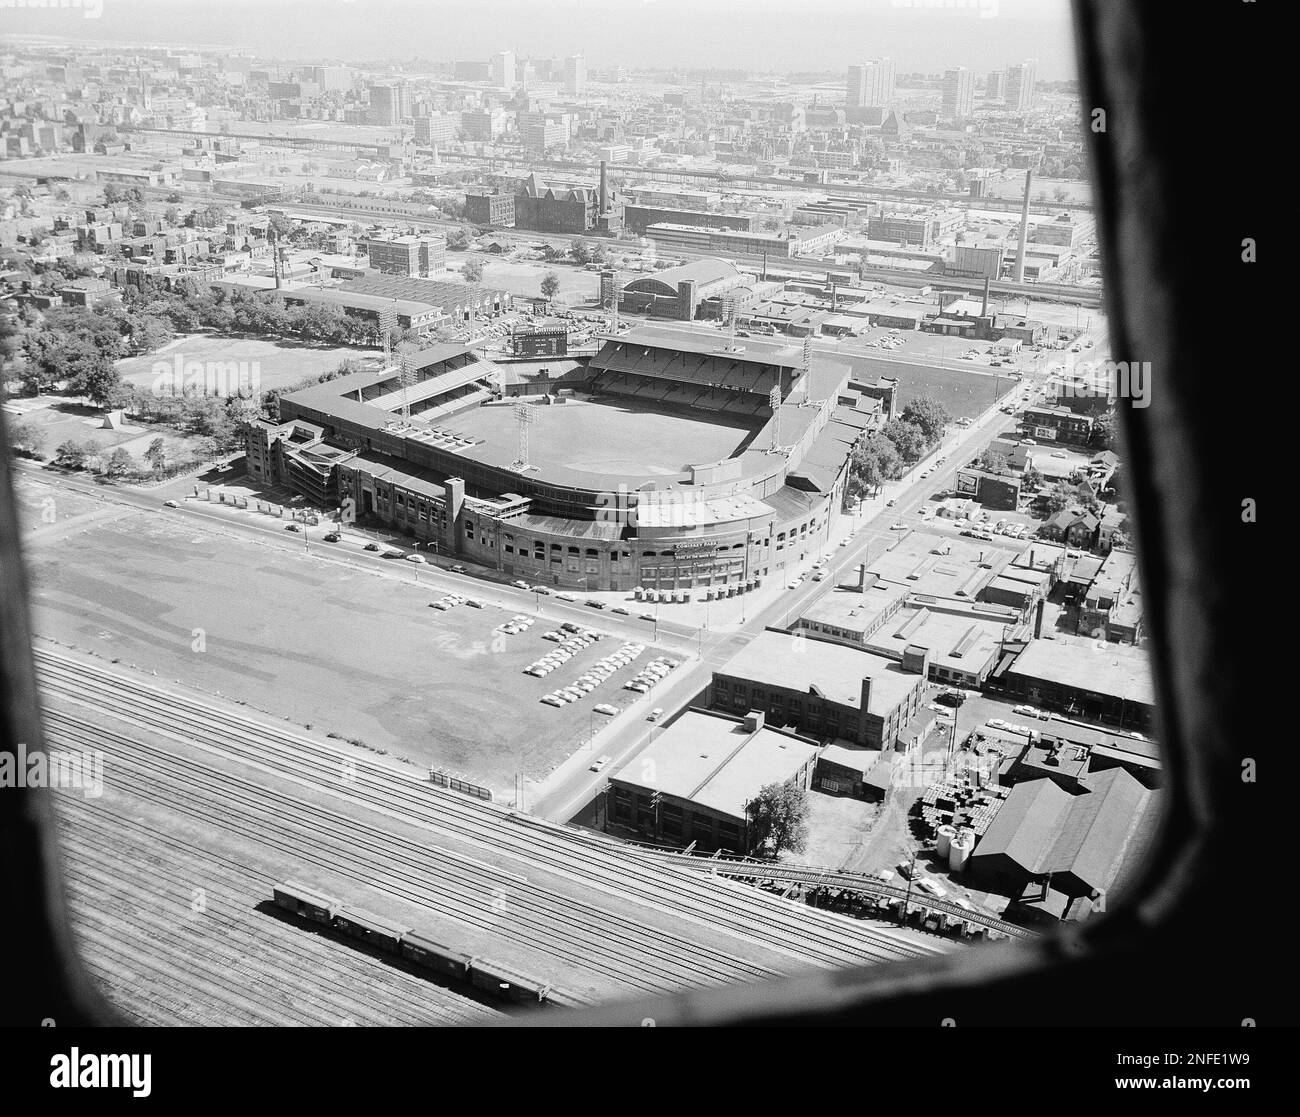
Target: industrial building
(419, 256)
(567, 209)
(496, 209)
(1109, 682)
(794, 241)
(1059, 855)
(679, 292)
(823, 689)
(692, 783)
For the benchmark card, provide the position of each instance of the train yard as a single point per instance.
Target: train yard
(203, 798)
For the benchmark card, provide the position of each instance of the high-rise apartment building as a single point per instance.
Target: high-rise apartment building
(575, 76)
(958, 94)
(390, 103)
(1021, 80)
(503, 69)
(995, 86)
(871, 83)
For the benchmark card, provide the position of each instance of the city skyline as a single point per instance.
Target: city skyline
(920, 39)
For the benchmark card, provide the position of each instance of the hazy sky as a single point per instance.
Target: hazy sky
(920, 35)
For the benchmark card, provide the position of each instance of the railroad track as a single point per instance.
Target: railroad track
(651, 962)
(156, 859)
(807, 937)
(747, 869)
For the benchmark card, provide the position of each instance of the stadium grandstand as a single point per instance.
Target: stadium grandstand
(669, 460)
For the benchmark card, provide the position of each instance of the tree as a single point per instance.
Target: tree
(28, 439)
(458, 240)
(99, 381)
(992, 462)
(472, 271)
(930, 415)
(550, 284)
(120, 463)
(1032, 479)
(908, 439)
(778, 818)
(72, 454)
(1103, 432)
(156, 455)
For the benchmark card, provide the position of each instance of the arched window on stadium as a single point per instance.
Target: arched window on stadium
(574, 551)
(592, 553)
(649, 554)
(556, 547)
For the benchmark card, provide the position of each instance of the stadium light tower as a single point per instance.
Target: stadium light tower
(523, 417)
(387, 324)
(406, 373)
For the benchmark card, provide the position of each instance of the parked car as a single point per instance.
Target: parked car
(600, 764)
(655, 714)
(332, 537)
(292, 527)
(372, 546)
(458, 569)
(890, 503)
(606, 709)
(170, 504)
(521, 585)
(566, 597)
(593, 603)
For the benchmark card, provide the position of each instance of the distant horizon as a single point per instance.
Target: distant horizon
(636, 34)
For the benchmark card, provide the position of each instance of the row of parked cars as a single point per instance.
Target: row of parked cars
(451, 600)
(655, 672)
(520, 622)
(591, 679)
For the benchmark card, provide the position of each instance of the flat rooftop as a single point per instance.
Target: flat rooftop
(712, 760)
(836, 671)
(1117, 670)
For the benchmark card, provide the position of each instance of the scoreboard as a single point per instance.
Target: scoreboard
(541, 341)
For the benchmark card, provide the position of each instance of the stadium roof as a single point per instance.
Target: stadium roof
(693, 341)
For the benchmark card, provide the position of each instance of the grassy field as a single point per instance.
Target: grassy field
(609, 438)
(521, 277)
(269, 364)
(347, 651)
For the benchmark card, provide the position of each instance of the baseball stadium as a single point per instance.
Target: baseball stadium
(669, 460)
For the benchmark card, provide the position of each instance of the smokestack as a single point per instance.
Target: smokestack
(764, 267)
(604, 190)
(1038, 621)
(1024, 229)
(984, 310)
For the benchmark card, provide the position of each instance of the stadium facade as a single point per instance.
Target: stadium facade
(663, 465)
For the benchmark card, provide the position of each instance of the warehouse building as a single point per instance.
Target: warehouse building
(1061, 856)
(694, 780)
(823, 689)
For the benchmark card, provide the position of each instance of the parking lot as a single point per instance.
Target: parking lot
(342, 649)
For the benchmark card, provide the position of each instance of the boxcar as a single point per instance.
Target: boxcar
(305, 901)
(507, 983)
(366, 926)
(432, 955)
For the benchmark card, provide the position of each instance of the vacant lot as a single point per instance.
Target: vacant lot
(344, 650)
(520, 277)
(232, 363)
